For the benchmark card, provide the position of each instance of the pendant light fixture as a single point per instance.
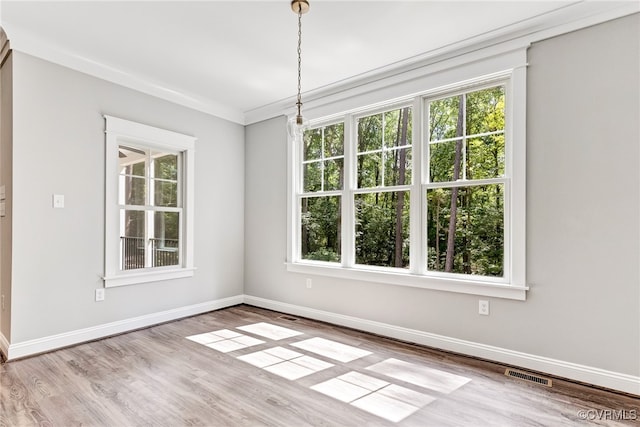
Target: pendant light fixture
(297, 125)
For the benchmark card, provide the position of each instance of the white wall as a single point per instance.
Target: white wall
(58, 254)
(583, 213)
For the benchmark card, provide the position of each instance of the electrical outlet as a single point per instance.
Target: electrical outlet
(309, 284)
(100, 294)
(483, 307)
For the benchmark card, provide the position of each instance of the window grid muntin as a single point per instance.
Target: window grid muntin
(463, 91)
(384, 149)
(463, 182)
(421, 166)
(150, 208)
(322, 159)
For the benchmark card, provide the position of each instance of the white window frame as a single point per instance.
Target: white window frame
(124, 132)
(301, 194)
(350, 228)
(494, 81)
(462, 77)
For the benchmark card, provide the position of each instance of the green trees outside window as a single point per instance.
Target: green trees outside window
(465, 219)
(449, 205)
(383, 163)
(321, 213)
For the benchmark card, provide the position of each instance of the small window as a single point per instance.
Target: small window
(320, 201)
(148, 204)
(382, 201)
(150, 208)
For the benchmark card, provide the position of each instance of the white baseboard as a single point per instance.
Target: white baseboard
(586, 374)
(40, 345)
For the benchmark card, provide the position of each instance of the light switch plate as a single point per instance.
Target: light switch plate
(58, 201)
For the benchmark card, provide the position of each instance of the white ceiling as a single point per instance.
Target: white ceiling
(234, 57)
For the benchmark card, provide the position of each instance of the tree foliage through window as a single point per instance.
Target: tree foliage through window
(462, 196)
(465, 220)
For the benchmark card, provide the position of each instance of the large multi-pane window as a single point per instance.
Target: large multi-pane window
(423, 186)
(148, 203)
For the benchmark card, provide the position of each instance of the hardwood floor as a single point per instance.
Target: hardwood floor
(245, 366)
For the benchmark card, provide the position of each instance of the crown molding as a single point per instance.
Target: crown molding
(569, 18)
(25, 42)
(561, 21)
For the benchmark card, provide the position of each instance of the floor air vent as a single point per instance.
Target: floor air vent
(528, 377)
(292, 319)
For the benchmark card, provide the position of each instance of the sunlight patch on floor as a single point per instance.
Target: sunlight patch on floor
(285, 363)
(374, 395)
(423, 376)
(225, 340)
(389, 401)
(332, 349)
(269, 330)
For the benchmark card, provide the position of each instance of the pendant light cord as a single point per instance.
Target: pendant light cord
(299, 103)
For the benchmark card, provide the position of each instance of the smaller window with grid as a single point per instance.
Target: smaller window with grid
(149, 225)
(382, 199)
(150, 207)
(320, 201)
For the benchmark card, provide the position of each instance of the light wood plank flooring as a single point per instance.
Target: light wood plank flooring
(245, 366)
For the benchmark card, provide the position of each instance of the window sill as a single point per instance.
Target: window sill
(398, 277)
(146, 276)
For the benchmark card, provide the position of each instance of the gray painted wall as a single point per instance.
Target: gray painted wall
(58, 254)
(6, 125)
(583, 211)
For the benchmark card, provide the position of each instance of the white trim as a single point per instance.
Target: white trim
(466, 69)
(418, 198)
(293, 156)
(146, 134)
(127, 278)
(53, 342)
(571, 18)
(507, 70)
(405, 278)
(573, 371)
(118, 131)
(516, 243)
(23, 41)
